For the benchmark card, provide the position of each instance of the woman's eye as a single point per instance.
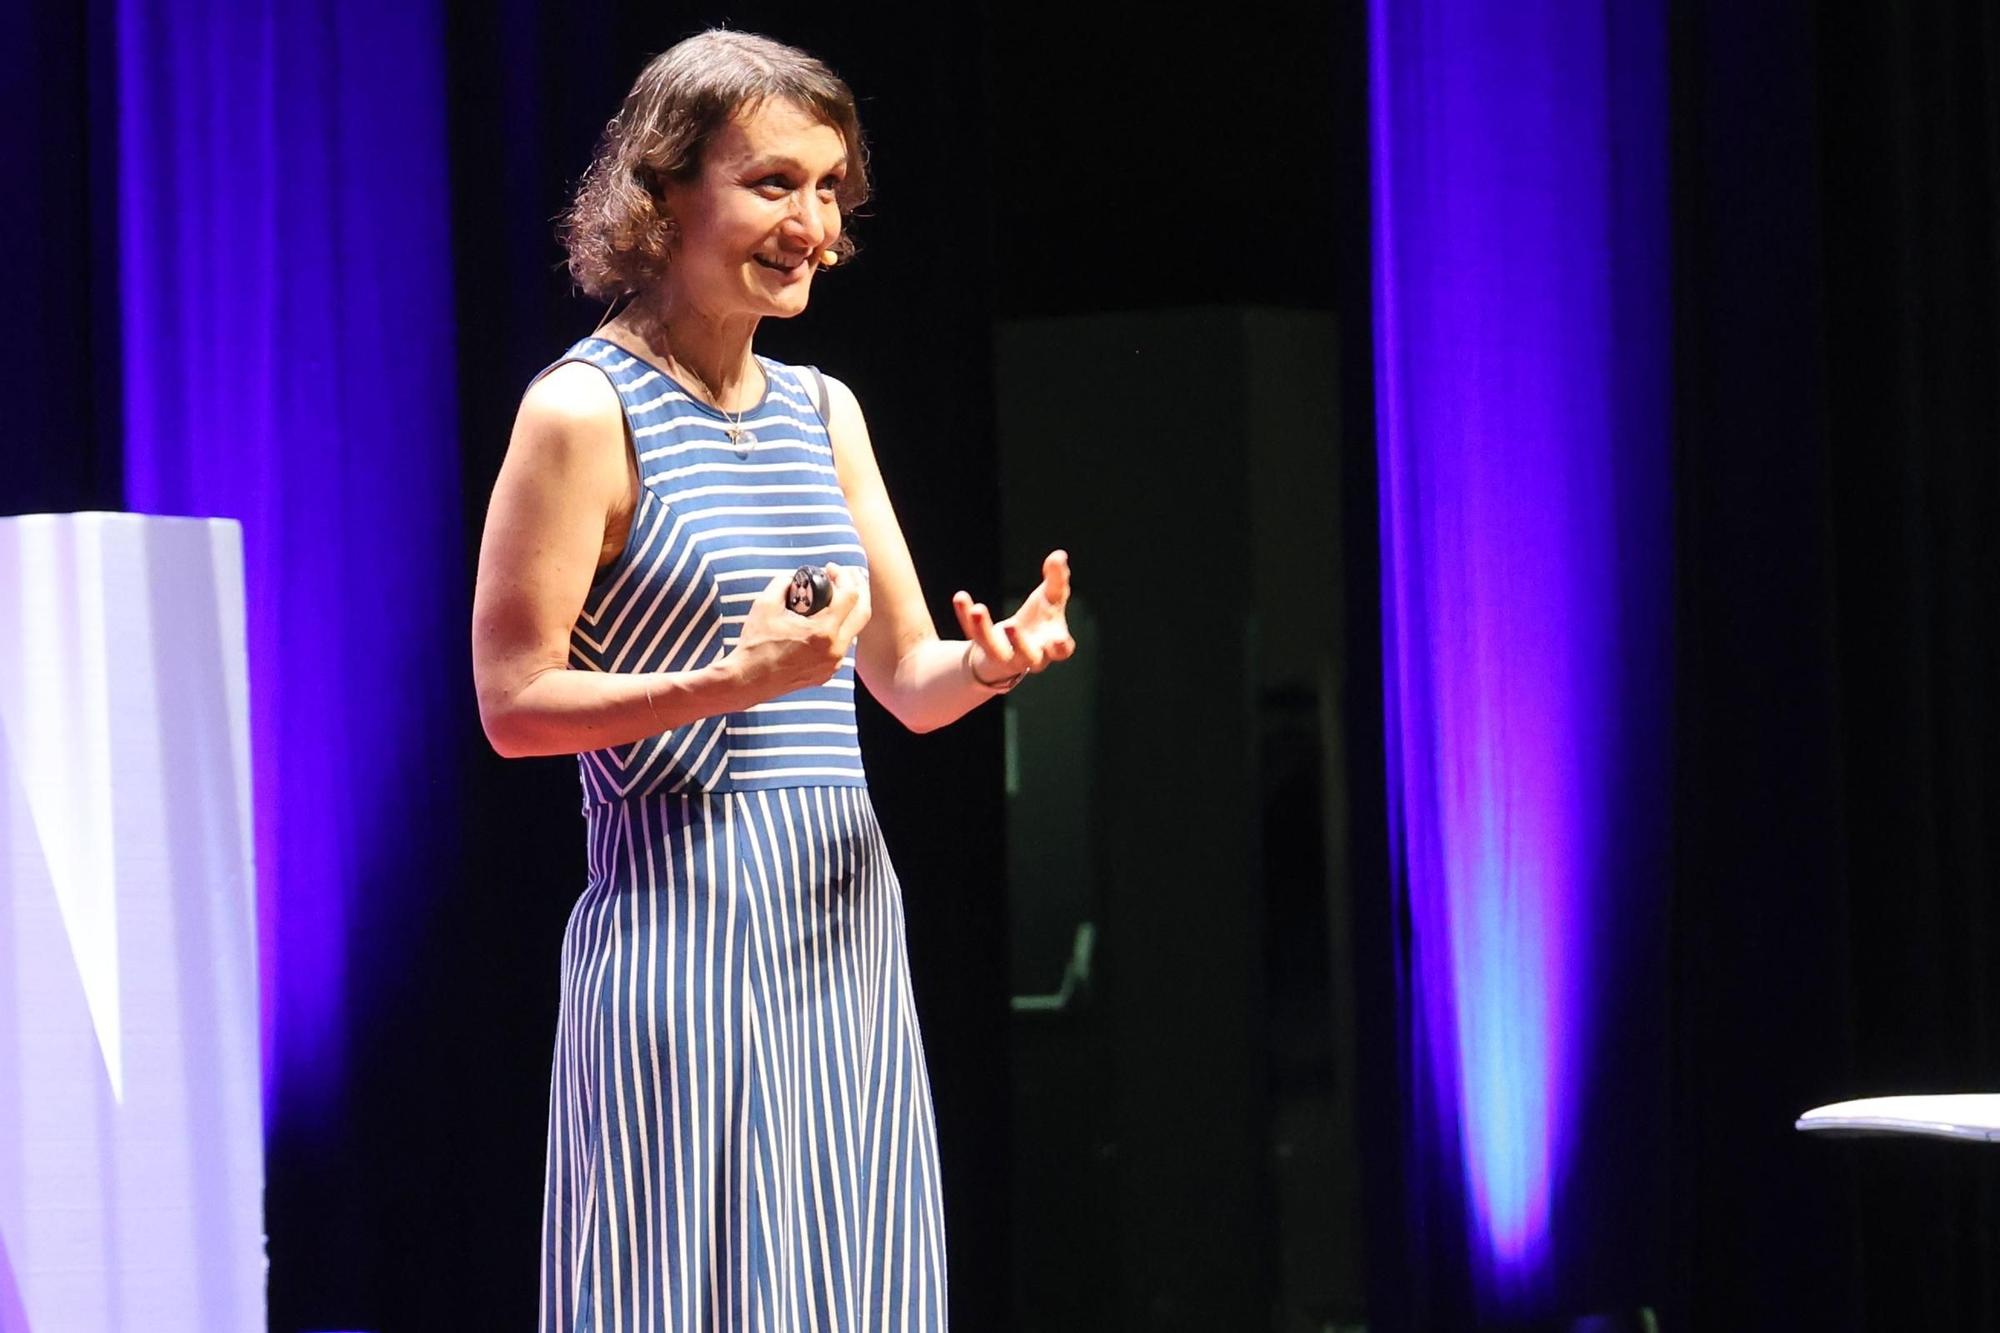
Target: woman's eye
(783, 185)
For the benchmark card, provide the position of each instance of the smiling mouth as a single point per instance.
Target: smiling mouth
(781, 265)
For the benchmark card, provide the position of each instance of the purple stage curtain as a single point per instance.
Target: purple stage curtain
(287, 361)
(1522, 345)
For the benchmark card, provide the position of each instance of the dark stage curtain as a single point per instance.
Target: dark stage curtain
(1839, 565)
(59, 364)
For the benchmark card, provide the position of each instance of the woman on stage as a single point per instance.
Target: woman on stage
(740, 1130)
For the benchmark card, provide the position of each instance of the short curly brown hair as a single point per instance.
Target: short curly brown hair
(617, 231)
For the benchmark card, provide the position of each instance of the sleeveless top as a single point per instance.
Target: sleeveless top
(715, 523)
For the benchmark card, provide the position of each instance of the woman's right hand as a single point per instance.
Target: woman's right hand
(778, 650)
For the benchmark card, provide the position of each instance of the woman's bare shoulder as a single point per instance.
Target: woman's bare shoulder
(573, 401)
(570, 431)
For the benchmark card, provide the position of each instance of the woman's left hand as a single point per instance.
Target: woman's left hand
(1031, 638)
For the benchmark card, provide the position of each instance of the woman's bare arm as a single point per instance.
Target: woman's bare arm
(927, 682)
(565, 473)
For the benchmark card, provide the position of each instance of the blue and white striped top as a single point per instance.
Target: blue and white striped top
(715, 523)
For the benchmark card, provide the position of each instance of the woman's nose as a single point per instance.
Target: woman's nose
(807, 221)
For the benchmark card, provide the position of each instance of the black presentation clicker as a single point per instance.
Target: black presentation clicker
(810, 592)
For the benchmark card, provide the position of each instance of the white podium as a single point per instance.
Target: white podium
(131, 1138)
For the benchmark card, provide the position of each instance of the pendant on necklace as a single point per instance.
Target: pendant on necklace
(740, 438)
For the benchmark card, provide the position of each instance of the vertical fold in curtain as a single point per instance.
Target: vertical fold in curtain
(1522, 343)
(288, 362)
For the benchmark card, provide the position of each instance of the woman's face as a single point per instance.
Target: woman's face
(753, 222)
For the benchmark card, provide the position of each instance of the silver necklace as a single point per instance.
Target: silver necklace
(740, 438)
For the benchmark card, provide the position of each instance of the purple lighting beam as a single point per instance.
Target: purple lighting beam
(1521, 340)
(285, 276)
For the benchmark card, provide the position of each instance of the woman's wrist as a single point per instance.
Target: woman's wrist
(726, 685)
(998, 686)
(676, 698)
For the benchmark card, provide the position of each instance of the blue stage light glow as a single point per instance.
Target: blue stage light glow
(1522, 343)
(287, 359)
